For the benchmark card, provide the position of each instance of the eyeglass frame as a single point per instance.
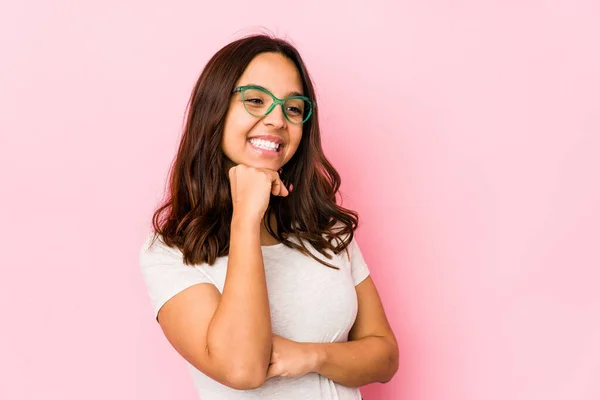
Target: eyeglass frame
(276, 101)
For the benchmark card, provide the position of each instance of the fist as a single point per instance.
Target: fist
(251, 189)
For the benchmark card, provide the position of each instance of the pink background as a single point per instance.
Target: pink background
(467, 136)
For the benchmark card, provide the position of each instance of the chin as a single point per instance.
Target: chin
(266, 165)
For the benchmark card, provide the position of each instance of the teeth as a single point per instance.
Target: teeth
(264, 144)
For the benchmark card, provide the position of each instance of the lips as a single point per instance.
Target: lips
(269, 138)
(269, 143)
(264, 145)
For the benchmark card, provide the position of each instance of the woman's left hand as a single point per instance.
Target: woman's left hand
(292, 359)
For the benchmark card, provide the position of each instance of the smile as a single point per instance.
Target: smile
(265, 144)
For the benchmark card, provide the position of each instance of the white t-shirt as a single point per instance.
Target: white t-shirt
(309, 303)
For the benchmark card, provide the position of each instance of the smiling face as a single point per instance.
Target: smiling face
(269, 141)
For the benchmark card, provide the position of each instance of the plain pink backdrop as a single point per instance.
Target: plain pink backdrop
(467, 135)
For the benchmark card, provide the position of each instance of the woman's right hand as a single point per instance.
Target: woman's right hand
(251, 189)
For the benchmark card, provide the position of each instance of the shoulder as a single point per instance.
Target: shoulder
(164, 271)
(154, 249)
(347, 238)
(352, 254)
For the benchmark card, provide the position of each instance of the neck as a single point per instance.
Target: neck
(265, 237)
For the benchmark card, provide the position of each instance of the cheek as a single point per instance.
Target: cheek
(235, 130)
(295, 139)
(296, 136)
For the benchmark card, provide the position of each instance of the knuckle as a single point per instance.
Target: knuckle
(264, 175)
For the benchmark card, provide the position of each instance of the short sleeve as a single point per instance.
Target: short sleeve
(164, 272)
(358, 266)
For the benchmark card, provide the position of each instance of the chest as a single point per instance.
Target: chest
(309, 301)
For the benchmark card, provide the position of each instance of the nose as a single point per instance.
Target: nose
(276, 118)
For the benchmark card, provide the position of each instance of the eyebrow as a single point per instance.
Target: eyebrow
(293, 93)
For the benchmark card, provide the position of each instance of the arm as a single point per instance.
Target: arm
(370, 355)
(239, 335)
(227, 337)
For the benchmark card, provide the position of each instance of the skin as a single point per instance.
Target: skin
(228, 336)
(279, 75)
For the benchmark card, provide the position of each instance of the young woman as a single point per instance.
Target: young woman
(253, 270)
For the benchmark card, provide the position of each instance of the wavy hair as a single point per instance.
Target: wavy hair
(196, 214)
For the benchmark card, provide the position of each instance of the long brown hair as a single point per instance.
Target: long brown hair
(196, 214)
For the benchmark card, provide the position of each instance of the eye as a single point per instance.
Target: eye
(294, 110)
(256, 98)
(254, 101)
(295, 107)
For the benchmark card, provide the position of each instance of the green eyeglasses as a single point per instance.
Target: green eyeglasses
(259, 102)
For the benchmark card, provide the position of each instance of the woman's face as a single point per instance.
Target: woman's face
(241, 143)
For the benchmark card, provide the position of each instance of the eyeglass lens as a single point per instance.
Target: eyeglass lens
(258, 103)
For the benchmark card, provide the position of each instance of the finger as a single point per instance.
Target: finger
(273, 371)
(231, 172)
(277, 186)
(232, 181)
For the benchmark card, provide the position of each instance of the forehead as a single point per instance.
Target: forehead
(273, 72)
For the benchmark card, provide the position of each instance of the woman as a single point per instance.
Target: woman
(253, 270)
